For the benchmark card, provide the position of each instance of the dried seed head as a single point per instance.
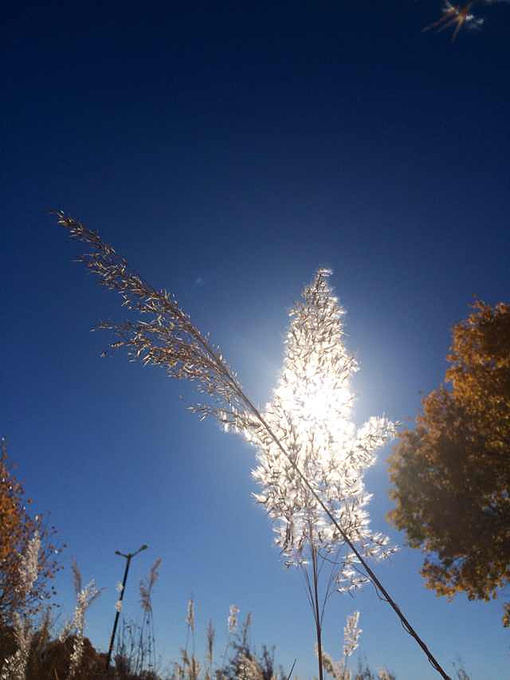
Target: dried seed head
(190, 615)
(232, 618)
(352, 633)
(311, 415)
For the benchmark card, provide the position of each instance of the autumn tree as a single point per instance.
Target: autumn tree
(17, 527)
(451, 474)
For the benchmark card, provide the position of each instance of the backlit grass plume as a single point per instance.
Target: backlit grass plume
(167, 338)
(315, 382)
(14, 667)
(85, 596)
(311, 416)
(352, 632)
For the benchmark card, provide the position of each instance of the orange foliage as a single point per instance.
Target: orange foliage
(451, 474)
(17, 526)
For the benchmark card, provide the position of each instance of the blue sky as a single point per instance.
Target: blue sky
(227, 150)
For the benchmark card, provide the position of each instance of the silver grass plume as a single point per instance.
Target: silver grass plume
(29, 566)
(352, 633)
(83, 601)
(310, 414)
(85, 596)
(170, 340)
(232, 618)
(14, 667)
(146, 586)
(190, 615)
(167, 338)
(248, 668)
(336, 669)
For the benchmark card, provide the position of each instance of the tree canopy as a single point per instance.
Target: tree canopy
(17, 528)
(451, 474)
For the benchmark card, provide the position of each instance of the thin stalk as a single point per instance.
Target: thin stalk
(317, 616)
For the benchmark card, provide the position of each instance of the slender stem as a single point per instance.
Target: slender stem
(227, 645)
(316, 613)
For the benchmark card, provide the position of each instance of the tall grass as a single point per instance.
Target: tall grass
(52, 656)
(33, 650)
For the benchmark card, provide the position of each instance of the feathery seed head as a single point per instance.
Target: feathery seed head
(190, 614)
(84, 599)
(232, 618)
(29, 564)
(352, 633)
(248, 668)
(146, 586)
(311, 415)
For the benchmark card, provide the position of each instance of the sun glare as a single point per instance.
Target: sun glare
(311, 416)
(325, 403)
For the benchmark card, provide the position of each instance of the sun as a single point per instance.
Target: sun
(456, 15)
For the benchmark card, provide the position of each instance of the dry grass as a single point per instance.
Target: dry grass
(53, 656)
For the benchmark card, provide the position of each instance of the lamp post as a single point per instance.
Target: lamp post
(128, 559)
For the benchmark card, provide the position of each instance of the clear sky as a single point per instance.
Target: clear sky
(227, 150)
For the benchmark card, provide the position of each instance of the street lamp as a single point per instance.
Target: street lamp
(128, 559)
